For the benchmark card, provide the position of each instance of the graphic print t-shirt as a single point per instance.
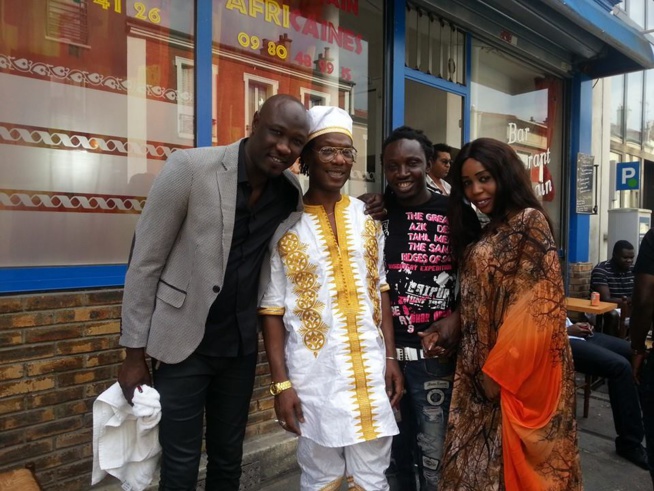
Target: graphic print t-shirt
(419, 266)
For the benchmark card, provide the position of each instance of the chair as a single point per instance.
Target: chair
(20, 480)
(586, 387)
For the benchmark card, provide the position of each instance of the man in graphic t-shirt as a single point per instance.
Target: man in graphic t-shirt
(422, 278)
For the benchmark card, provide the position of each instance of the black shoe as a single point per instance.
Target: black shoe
(635, 455)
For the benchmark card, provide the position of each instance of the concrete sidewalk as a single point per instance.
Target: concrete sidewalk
(602, 468)
(269, 462)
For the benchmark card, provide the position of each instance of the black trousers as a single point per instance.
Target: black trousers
(221, 387)
(610, 357)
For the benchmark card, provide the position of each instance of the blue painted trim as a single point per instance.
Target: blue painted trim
(18, 280)
(203, 74)
(580, 141)
(398, 43)
(433, 81)
(631, 49)
(467, 99)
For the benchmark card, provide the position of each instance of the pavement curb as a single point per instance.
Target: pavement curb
(266, 459)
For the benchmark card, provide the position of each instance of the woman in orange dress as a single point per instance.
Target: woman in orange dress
(511, 422)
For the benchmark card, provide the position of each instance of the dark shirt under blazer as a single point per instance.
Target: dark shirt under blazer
(180, 254)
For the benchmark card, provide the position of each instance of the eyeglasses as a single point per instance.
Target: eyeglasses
(327, 154)
(446, 161)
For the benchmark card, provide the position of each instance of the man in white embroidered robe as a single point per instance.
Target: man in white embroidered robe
(327, 324)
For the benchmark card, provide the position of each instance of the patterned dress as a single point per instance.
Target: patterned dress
(328, 290)
(513, 330)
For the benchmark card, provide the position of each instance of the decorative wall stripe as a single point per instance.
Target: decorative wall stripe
(46, 71)
(22, 200)
(68, 140)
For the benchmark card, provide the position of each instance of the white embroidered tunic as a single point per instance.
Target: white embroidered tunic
(329, 294)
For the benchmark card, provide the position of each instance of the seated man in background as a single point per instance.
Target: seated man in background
(609, 357)
(614, 281)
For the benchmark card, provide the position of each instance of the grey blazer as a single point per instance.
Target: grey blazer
(180, 252)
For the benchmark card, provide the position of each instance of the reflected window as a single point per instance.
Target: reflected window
(636, 11)
(634, 116)
(88, 126)
(434, 45)
(617, 106)
(258, 90)
(185, 81)
(648, 129)
(311, 98)
(519, 105)
(68, 21)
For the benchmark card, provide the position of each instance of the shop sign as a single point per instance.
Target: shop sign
(627, 176)
(585, 184)
(536, 162)
(297, 35)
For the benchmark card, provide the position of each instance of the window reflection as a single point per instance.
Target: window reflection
(516, 104)
(320, 52)
(634, 107)
(617, 106)
(97, 106)
(636, 11)
(648, 130)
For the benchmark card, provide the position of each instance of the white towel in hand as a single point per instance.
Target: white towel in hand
(126, 438)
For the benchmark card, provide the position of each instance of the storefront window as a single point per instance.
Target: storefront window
(634, 107)
(636, 11)
(648, 130)
(101, 94)
(434, 45)
(324, 53)
(617, 106)
(521, 106)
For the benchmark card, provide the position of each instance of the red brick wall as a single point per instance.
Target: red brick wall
(579, 286)
(57, 353)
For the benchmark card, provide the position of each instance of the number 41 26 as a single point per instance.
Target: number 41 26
(142, 11)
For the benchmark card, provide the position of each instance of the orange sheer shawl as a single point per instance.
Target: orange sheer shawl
(529, 372)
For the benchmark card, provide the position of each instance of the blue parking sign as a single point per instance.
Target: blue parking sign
(627, 176)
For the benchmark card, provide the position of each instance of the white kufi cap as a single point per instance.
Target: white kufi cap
(329, 119)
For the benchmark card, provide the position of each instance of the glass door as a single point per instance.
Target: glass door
(436, 112)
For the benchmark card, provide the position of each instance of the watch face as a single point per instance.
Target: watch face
(274, 390)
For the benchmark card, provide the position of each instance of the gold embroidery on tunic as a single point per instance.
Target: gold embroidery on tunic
(302, 274)
(371, 255)
(349, 307)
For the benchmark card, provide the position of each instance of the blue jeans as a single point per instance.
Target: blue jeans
(646, 389)
(424, 411)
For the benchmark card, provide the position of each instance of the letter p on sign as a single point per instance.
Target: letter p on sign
(628, 176)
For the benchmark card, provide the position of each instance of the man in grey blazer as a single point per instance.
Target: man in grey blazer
(191, 288)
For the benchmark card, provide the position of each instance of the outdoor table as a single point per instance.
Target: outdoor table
(583, 305)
